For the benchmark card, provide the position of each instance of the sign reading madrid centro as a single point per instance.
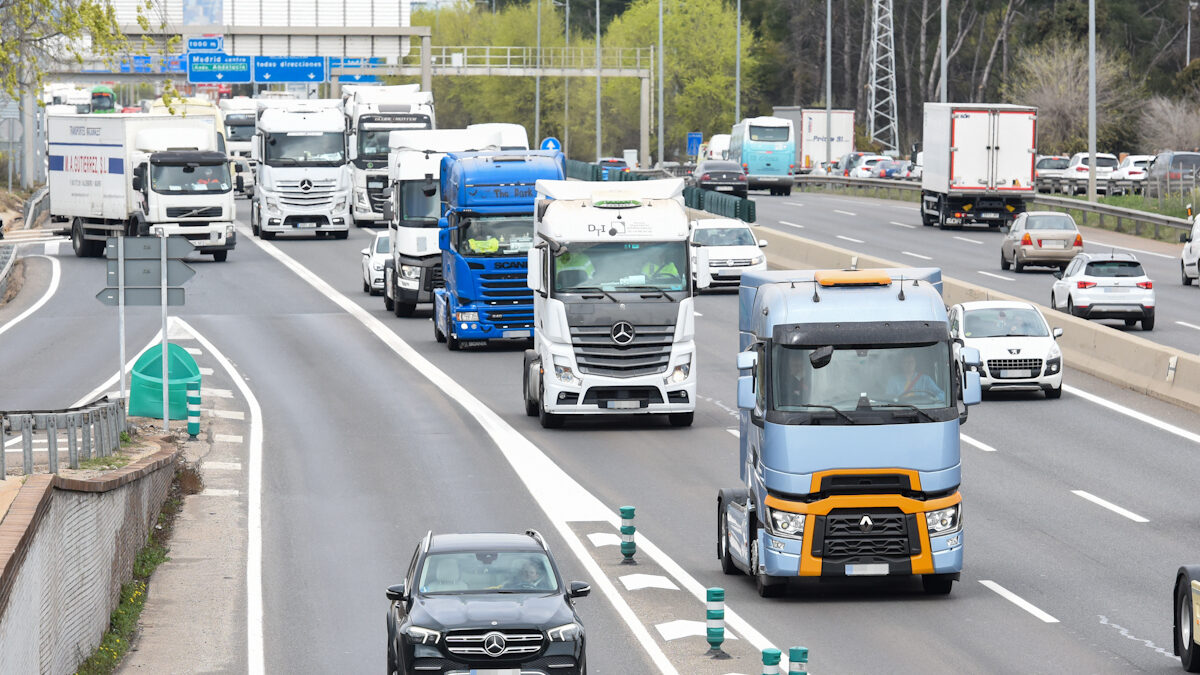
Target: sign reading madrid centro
(209, 68)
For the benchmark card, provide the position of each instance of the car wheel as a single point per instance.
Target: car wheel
(392, 667)
(366, 286)
(1056, 392)
(1187, 281)
(1053, 304)
(1071, 307)
(727, 565)
(1148, 323)
(1018, 266)
(1003, 261)
(1185, 639)
(937, 584)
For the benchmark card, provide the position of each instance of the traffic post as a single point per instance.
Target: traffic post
(628, 547)
(193, 405)
(715, 622)
(771, 658)
(798, 661)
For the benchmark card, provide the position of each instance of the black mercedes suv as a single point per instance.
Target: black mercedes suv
(484, 604)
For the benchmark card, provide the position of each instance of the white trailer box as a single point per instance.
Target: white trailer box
(979, 162)
(811, 132)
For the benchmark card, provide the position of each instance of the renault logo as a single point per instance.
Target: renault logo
(865, 524)
(622, 333)
(493, 644)
(306, 185)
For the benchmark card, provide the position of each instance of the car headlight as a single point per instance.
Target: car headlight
(758, 260)
(1055, 352)
(410, 271)
(944, 521)
(680, 373)
(425, 636)
(466, 316)
(786, 523)
(564, 633)
(377, 266)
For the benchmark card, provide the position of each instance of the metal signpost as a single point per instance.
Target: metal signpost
(139, 265)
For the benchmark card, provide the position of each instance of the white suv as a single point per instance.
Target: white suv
(1105, 286)
(1189, 258)
(1017, 348)
(1075, 177)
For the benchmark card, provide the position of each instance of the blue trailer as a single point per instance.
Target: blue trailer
(485, 233)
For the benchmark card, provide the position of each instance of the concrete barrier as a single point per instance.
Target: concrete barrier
(1125, 359)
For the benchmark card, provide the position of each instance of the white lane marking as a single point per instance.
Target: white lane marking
(55, 276)
(255, 663)
(911, 227)
(695, 313)
(1018, 601)
(561, 498)
(845, 213)
(223, 466)
(1110, 506)
(216, 393)
(850, 239)
(103, 388)
(969, 241)
(971, 441)
(1129, 412)
(1125, 633)
(193, 351)
(636, 582)
(227, 438)
(53, 247)
(206, 371)
(734, 432)
(795, 225)
(683, 628)
(218, 492)
(225, 414)
(1101, 244)
(996, 276)
(599, 539)
(794, 203)
(916, 255)
(1188, 325)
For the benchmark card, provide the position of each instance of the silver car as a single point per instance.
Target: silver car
(1040, 238)
(1105, 286)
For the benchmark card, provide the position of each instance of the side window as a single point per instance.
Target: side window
(954, 322)
(760, 379)
(1073, 268)
(412, 568)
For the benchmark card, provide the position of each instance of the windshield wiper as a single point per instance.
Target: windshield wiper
(649, 289)
(827, 407)
(283, 160)
(592, 289)
(920, 412)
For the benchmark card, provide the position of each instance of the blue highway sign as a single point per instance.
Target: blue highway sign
(551, 143)
(289, 69)
(694, 139)
(338, 62)
(216, 68)
(206, 44)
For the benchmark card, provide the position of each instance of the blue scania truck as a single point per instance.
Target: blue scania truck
(850, 395)
(486, 231)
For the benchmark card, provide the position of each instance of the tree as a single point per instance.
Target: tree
(1169, 124)
(39, 34)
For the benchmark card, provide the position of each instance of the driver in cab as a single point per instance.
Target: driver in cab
(528, 576)
(909, 381)
(660, 267)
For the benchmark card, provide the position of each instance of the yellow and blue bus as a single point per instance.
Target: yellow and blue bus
(766, 149)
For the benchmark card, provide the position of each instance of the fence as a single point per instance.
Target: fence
(93, 429)
(716, 203)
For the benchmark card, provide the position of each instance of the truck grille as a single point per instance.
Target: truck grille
(507, 300)
(320, 194)
(845, 538)
(193, 212)
(997, 365)
(649, 352)
(376, 197)
(516, 642)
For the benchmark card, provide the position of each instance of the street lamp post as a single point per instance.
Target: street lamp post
(737, 70)
(1192, 4)
(661, 57)
(942, 84)
(828, 83)
(566, 80)
(1091, 185)
(537, 80)
(598, 155)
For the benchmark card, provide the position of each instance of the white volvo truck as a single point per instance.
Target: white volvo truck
(303, 180)
(372, 113)
(414, 168)
(138, 174)
(613, 302)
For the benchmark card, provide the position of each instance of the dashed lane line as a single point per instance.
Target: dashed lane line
(225, 414)
(850, 239)
(1001, 277)
(1188, 325)
(978, 444)
(1130, 412)
(636, 582)
(227, 438)
(599, 539)
(1110, 506)
(911, 227)
(918, 256)
(789, 224)
(1018, 601)
(845, 213)
(968, 240)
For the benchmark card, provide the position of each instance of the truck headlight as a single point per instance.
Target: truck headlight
(360, 196)
(564, 373)
(339, 204)
(272, 205)
(228, 231)
(469, 317)
(425, 636)
(564, 633)
(680, 373)
(786, 523)
(944, 521)
(410, 271)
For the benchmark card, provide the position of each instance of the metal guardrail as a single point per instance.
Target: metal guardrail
(8, 254)
(36, 206)
(566, 58)
(93, 429)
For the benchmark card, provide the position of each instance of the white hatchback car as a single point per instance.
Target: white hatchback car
(1133, 169)
(1017, 348)
(1075, 176)
(1105, 286)
(1189, 257)
(732, 248)
(373, 259)
(866, 166)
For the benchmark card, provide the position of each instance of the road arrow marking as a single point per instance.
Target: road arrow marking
(636, 582)
(682, 628)
(599, 539)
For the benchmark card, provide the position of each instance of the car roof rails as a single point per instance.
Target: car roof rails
(538, 538)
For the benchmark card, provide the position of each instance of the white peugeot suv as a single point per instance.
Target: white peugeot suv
(1017, 348)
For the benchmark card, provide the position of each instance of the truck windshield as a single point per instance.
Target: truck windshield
(489, 236)
(305, 148)
(373, 137)
(617, 266)
(858, 378)
(180, 179)
(239, 127)
(415, 207)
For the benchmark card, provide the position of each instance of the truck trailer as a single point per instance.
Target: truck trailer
(138, 174)
(810, 134)
(978, 163)
(850, 396)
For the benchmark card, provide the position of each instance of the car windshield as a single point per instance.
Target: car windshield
(305, 148)
(177, 179)
(488, 236)
(1054, 163)
(857, 377)
(724, 236)
(417, 208)
(1189, 162)
(383, 244)
(1114, 268)
(487, 572)
(769, 134)
(1055, 222)
(615, 266)
(1006, 322)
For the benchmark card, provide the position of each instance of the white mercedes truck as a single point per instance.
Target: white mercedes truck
(614, 326)
(372, 113)
(303, 180)
(138, 174)
(414, 170)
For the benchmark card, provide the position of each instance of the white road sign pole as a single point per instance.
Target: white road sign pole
(166, 394)
(121, 309)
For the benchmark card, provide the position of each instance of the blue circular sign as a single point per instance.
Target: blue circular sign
(551, 143)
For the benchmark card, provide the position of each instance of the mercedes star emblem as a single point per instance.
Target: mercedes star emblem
(622, 333)
(865, 524)
(493, 644)
(306, 185)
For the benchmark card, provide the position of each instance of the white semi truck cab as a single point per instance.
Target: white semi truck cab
(240, 114)
(303, 180)
(613, 302)
(370, 125)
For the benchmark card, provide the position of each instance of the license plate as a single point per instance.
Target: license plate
(990, 215)
(516, 333)
(1016, 373)
(306, 224)
(1115, 289)
(871, 570)
(1054, 243)
(624, 405)
(727, 188)
(375, 184)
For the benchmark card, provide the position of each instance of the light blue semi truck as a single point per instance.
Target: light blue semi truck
(850, 393)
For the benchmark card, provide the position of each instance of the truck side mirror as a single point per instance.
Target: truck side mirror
(745, 392)
(137, 183)
(352, 142)
(1185, 238)
(972, 391)
(389, 213)
(429, 187)
(534, 273)
(747, 360)
(703, 273)
(239, 182)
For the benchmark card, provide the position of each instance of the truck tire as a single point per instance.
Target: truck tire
(766, 585)
(452, 342)
(681, 419)
(220, 256)
(531, 405)
(727, 565)
(403, 309)
(1185, 636)
(937, 584)
(389, 290)
(84, 248)
(438, 335)
(547, 419)
(254, 229)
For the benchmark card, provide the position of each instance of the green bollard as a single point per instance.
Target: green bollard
(628, 547)
(715, 616)
(771, 658)
(193, 409)
(798, 661)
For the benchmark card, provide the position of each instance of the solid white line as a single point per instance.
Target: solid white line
(734, 432)
(1188, 325)
(996, 276)
(1110, 506)
(697, 313)
(845, 213)
(794, 203)
(971, 441)
(1101, 244)
(911, 227)
(850, 239)
(255, 663)
(969, 241)
(560, 496)
(1129, 412)
(55, 275)
(916, 255)
(784, 222)
(1018, 601)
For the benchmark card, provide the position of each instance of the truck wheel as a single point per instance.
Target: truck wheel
(937, 584)
(531, 405)
(220, 256)
(681, 419)
(1187, 281)
(438, 335)
(403, 309)
(253, 221)
(547, 419)
(388, 287)
(452, 342)
(84, 248)
(787, 191)
(727, 565)
(1185, 639)
(766, 585)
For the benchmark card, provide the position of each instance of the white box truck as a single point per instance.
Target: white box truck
(979, 163)
(811, 132)
(138, 174)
